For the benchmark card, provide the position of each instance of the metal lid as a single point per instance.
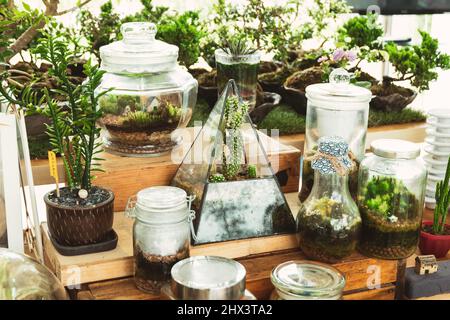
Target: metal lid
(163, 204)
(139, 51)
(308, 280)
(208, 278)
(395, 149)
(338, 89)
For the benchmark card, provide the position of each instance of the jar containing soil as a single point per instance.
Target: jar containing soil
(335, 109)
(328, 221)
(390, 197)
(161, 234)
(150, 95)
(305, 280)
(243, 69)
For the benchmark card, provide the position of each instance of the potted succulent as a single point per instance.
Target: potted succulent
(435, 235)
(79, 214)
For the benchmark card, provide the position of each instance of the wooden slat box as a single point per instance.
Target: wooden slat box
(357, 270)
(118, 263)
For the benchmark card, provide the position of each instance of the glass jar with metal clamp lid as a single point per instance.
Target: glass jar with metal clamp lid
(161, 234)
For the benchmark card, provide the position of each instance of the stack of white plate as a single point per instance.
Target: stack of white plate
(437, 148)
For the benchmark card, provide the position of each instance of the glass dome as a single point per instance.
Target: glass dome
(22, 278)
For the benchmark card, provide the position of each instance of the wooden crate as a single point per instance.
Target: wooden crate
(125, 176)
(357, 270)
(118, 263)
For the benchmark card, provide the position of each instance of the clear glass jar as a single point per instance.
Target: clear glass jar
(151, 95)
(335, 109)
(243, 69)
(306, 280)
(390, 199)
(22, 278)
(328, 222)
(161, 234)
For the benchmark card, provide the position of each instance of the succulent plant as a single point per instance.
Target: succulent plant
(217, 177)
(251, 171)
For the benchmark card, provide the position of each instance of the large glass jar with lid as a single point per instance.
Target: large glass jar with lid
(340, 109)
(306, 280)
(23, 278)
(151, 95)
(161, 234)
(390, 198)
(328, 222)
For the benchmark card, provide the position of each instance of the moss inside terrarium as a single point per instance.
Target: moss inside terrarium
(391, 219)
(327, 230)
(132, 121)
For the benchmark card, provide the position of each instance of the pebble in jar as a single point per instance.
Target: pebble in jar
(328, 221)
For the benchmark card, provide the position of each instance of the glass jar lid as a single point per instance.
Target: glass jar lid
(395, 149)
(338, 89)
(308, 280)
(208, 278)
(138, 51)
(162, 204)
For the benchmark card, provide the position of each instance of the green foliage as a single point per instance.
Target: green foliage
(265, 26)
(184, 30)
(363, 34)
(101, 30)
(387, 197)
(442, 197)
(237, 46)
(217, 177)
(323, 14)
(418, 63)
(251, 171)
(73, 131)
(13, 23)
(285, 119)
(361, 31)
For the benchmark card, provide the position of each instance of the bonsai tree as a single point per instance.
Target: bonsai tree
(417, 64)
(364, 35)
(182, 29)
(101, 30)
(442, 197)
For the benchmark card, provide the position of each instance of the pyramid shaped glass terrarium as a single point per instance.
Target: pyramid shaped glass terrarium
(236, 193)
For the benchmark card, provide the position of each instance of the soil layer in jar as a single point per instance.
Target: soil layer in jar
(391, 217)
(322, 241)
(153, 271)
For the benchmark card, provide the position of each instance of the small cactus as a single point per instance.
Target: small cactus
(217, 177)
(251, 171)
(442, 197)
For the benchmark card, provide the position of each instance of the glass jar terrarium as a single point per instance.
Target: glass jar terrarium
(390, 198)
(305, 280)
(161, 234)
(328, 222)
(22, 278)
(243, 69)
(335, 109)
(150, 95)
